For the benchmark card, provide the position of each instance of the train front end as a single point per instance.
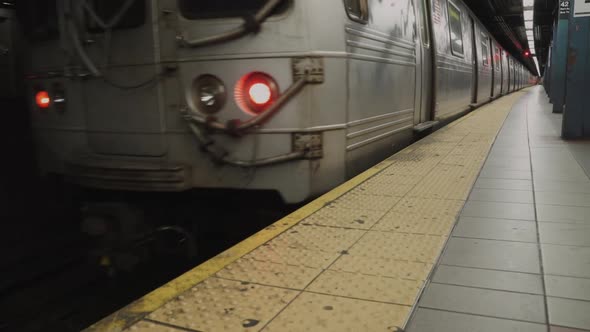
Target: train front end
(170, 95)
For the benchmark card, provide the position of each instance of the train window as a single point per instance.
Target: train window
(485, 51)
(357, 10)
(456, 29)
(207, 9)
(106, 9)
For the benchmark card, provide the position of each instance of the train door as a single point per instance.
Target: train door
(475, 85)
(513, 73)
(425, 72)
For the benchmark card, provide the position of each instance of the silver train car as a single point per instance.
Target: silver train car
(294, 96)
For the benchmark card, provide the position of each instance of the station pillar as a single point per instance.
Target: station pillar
(559, 57)
(547, 75)
(576, 118)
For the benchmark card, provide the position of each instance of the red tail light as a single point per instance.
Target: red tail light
(255, 92)
(42, 99)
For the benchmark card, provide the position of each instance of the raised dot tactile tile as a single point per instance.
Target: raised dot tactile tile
(269, 273)
(359, 259)
(356, 200)
(440, 184)
(345, 218)
(411, 247)
(367, 287)
(389, 185)
(318, 312)
(225, 305)
(421, 216)
(282, 254)
(418, 164)
(311, 237)
(387, 267)
(448, 136)
(470, 163)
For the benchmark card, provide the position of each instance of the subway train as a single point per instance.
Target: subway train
(293, 96)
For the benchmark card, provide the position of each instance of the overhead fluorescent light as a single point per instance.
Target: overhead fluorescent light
(528, 7)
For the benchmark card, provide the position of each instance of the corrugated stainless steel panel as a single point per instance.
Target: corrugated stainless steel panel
(381, 81)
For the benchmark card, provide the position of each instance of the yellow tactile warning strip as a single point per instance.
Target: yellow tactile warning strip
(356, 259)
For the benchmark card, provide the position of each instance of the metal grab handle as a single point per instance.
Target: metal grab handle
(237, 127)
(236, 33)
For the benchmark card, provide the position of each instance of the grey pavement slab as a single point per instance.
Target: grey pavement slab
(500, 304)
(501, 229)
(557, 198)
(554, 328)
(516, 165)
(502, 173)
(498, 152)
(499, 210)
(502, 195)
(480, 219)
(496, 255)
(562, 186)
(499, 158)
(559, 175)
(569, 313)
(568, 287)
(566, 260)
(564, 214)
(490, 279)
(507, 184)
(565, 234)
(428, 320)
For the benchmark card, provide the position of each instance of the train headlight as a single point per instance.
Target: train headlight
(255, 92)
(209, 94)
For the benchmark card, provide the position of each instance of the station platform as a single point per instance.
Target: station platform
(482, 226)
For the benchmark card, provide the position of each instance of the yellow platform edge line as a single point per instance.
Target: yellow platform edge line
(137, 310)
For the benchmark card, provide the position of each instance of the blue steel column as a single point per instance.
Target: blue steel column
(547, 74)
(576, 118)
(559, 56)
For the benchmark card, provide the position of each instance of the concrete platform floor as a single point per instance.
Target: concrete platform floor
(519, 257)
